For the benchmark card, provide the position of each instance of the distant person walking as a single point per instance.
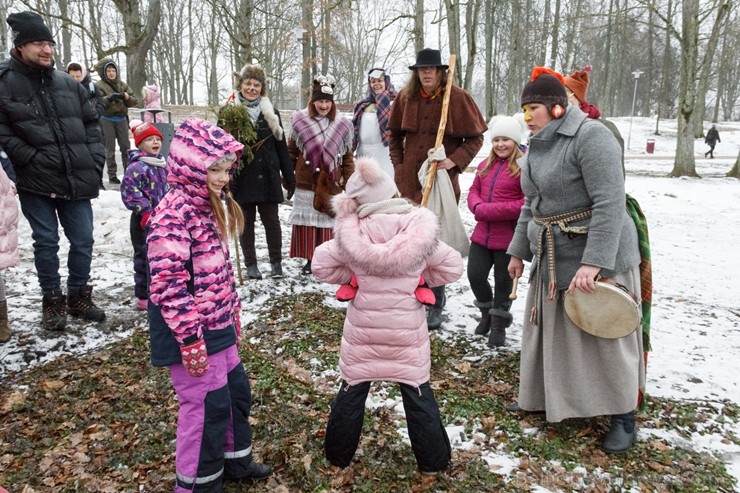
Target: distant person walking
(711, 140)
(58, 156)
(118, 98)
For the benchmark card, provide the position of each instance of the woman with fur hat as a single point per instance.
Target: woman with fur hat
(495, 199)
(574, 210)
(385, 247)
(321, 149)
(371, 117)
(257, 185)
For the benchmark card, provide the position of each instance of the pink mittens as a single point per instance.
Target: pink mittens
(424, 294)
(347, 292)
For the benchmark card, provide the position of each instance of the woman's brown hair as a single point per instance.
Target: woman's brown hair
(313, 113)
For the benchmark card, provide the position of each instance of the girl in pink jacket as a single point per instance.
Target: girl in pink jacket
(9, 255)
(495, 199)
(385, 248)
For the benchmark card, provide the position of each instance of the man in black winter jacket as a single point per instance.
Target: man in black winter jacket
(50, 131)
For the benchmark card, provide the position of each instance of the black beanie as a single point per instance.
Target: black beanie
(27, 27)
(545, 87)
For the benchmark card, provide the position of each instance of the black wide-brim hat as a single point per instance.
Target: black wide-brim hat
(428, 58)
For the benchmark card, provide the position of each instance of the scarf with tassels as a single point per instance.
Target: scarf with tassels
(382, 104)
(322, 142)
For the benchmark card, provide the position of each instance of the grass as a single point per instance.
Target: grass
(106, 422)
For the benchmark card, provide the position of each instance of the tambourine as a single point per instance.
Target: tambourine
(608, 312)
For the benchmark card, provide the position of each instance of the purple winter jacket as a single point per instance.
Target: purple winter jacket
(385, 336)
(495, 200)
(192, 279)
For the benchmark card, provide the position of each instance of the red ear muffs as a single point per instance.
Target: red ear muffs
(557, 111)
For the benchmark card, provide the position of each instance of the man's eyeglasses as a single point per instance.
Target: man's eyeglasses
(43, 44)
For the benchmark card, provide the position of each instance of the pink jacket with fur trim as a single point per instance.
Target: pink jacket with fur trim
(9, 255)
(385, 333)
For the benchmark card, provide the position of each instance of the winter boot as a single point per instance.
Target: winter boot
(80, 304)
(253, 272)
(485, 317)
(621, 435)
(306, 270)
(5, 331)
(276, 270)
(53, 311)
(500, 319)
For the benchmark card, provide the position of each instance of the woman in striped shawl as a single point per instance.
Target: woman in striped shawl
(371, 117)
(321, 149)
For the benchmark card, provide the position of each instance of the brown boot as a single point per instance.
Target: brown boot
(53, 311)
(5, 331)
(80, 304)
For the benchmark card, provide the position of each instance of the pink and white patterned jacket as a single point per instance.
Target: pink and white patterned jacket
(192, 279)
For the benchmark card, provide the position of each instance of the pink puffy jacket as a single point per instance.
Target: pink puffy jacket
(385, 333)
(495, 200)
(9, 255)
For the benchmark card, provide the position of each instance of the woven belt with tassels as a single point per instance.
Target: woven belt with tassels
(547, 222)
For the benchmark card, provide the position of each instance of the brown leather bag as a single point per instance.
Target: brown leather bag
(324, 189)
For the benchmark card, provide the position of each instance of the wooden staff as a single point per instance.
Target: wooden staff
(432, 171)
(512, 296)
(238, 262)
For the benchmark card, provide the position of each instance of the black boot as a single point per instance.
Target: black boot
(434, 313)
(253, 272)
(500, 319)
(622, 434)
(306, 271)
(80, 304)
(485, 317)
(53, 311)
(255, 471)
(276, 270)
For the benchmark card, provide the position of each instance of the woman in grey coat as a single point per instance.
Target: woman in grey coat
(574, 187)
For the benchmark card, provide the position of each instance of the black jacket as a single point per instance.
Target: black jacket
(712, 137)
(259, 180)
(50, 131)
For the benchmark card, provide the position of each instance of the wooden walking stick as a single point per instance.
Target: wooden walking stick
(432, 171)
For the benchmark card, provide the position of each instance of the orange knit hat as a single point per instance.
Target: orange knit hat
(577, 82)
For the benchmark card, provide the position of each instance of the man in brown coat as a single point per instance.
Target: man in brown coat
(413, 125)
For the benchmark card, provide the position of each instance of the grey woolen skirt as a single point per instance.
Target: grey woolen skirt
(569, 373)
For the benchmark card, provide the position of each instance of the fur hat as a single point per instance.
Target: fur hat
(27, 27)
(506, 126)
(323, 88)
(251, 72)
(577, 82)
(545, 87)
(369, 183)
(142, 130)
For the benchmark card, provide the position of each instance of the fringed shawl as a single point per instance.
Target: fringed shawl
(323, 147)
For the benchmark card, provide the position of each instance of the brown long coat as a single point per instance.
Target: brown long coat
(413, 131)
(306, 179)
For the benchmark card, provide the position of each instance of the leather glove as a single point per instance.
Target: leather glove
(144, 219)
(116, 96)
(424, 294)
(347, 292)
(195, 358)
(291, 191)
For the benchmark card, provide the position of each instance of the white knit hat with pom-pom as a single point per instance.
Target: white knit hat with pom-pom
(369, 183)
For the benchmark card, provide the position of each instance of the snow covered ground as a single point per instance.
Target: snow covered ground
(694, 229)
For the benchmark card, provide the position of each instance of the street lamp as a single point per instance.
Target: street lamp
(298, 32)
(637, 74)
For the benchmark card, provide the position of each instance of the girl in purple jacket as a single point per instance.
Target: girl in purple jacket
(194, 323)
(495, 199)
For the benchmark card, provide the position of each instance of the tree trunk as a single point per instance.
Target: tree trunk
(685, 163)
(453, 33)
(472, 14)
(555, 36)
(545, 30)
(307, 20)
(706, 67)
(490, 94)
(666, 64)
(418, 32)
(735, 171)
(139, 37)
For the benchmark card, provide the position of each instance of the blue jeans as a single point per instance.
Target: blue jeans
(44, 214)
